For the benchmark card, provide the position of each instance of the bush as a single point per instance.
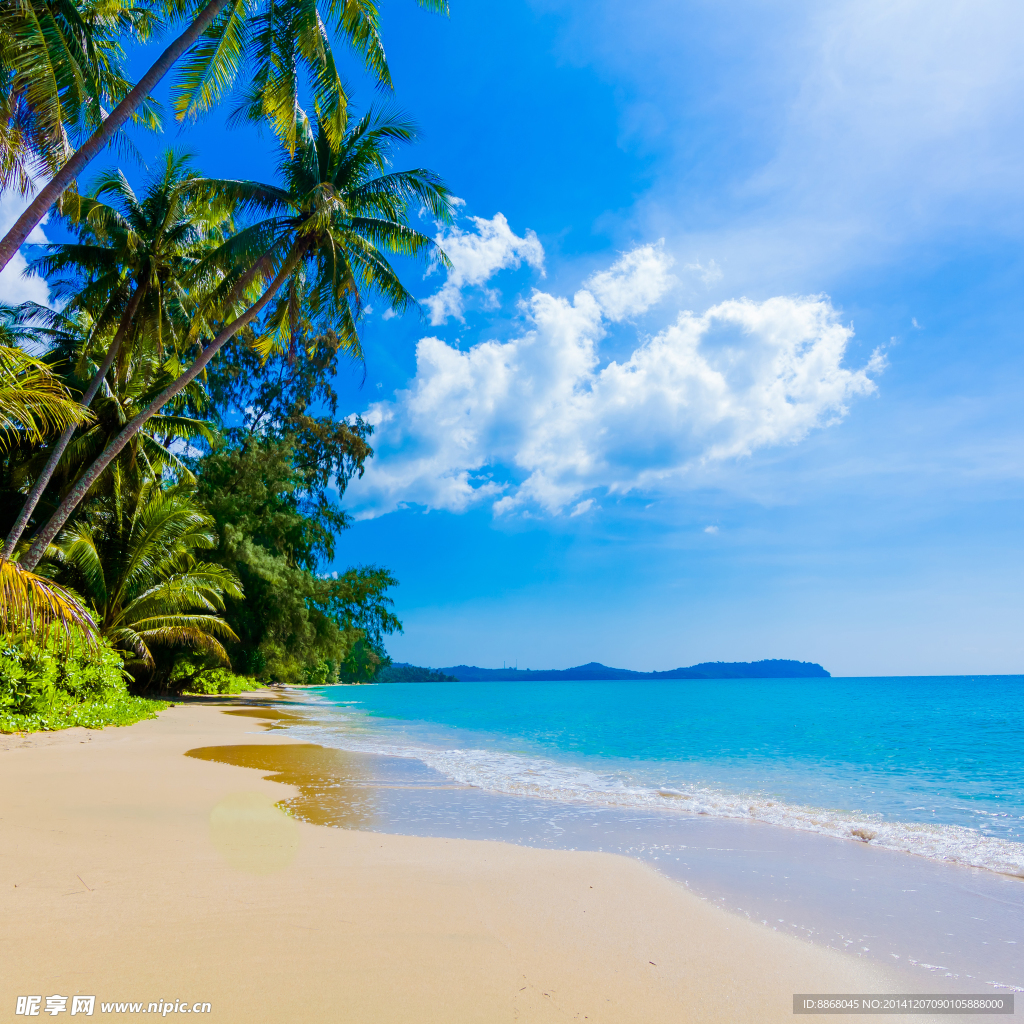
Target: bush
(56, 680)
(222, 680)
(194, 678)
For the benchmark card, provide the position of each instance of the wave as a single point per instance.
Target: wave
(538, 777)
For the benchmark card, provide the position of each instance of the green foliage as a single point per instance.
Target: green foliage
(294, 626)
(206, 681)
(56, 680)
(61, 69)
(33, 402)
(189, 560)
(319, 241)
(134, 557)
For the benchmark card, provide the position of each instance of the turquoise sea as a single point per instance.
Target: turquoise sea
(946, 752)
(884, 816)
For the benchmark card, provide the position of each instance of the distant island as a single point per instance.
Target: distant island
(402, 672)
(772, 668)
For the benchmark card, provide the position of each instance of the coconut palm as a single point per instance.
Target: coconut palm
(150, 453)
(61, 68)
(133, 556)
(126, 274)
(320, 241)
(275, 44)
(33, 404)
(32, 601)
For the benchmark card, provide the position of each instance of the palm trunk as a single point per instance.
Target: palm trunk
(62, 442)
(54, 188)
(90, 476)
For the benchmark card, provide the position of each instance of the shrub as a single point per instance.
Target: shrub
(56, 680)
(195, 677)
(222, 680)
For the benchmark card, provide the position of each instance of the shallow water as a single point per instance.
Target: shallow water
(883, 755)
(950, 929)
(793, 802)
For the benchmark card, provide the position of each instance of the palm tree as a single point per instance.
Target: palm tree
(276, 43)
(322, 239)
(149, 454)
(61, 68)
(33, 403)
(133, 556)
(133, 255)
(29, 599)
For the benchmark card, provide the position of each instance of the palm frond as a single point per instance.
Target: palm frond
(28, 599)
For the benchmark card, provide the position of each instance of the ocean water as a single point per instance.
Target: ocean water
(933, 766)
(882, 816)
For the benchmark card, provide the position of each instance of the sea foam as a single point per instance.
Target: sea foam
(530, 776)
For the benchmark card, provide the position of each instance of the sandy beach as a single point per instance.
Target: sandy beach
(134, 873)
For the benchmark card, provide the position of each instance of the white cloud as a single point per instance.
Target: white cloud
(711, 529)
(388, 314)
(538, 421)
(476, 257)
(709, 275)
(15, 285)
(634, 283)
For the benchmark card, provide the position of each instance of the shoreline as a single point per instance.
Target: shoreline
(176, 877)
(857, 898)
(522, 775)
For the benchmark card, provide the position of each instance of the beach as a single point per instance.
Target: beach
(136, 874)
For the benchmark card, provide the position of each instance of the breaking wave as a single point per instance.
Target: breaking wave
(543, 778)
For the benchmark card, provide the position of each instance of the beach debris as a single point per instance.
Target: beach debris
(864, 834)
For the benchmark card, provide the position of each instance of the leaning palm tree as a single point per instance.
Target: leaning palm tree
(133, 555)
(33, 404)
(125, 273)
(61, 69)
(320, 240)
(277, 45)
(151, 452)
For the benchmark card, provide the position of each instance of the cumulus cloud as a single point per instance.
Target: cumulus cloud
(634, 283)
(476, 257)
(538, 421)
(15, 285)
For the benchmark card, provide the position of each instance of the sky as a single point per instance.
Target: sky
(729, 362)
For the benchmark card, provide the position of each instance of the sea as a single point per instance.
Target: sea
(880, 816)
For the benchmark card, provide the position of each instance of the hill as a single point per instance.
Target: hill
(774, 668)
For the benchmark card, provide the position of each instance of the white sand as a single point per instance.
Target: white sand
(131, 872)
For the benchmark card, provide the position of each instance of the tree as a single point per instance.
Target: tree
(275, 43)
(296, 624)
(291, 397)
(61, 68)
(33, 404)
(319, 241)
(126, 273)
(134, 557)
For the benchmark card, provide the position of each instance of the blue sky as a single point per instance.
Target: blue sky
(577, 460)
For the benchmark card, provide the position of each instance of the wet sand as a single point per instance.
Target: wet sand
(131, 872)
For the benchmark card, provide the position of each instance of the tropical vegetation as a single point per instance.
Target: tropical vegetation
(173, 458)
